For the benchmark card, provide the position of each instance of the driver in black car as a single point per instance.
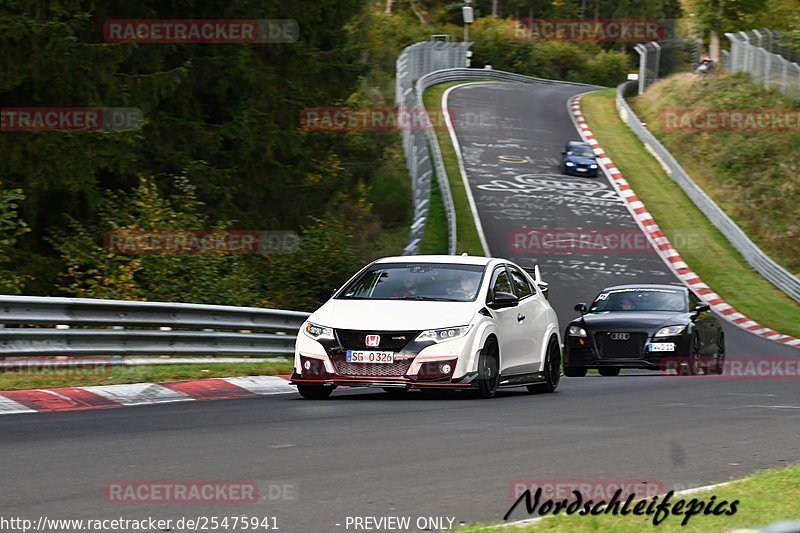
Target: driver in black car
(626, 304)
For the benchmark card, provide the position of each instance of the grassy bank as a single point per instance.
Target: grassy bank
(701, 245)
(766, 497)
(20, 380)
(467, 239)
(753, 175)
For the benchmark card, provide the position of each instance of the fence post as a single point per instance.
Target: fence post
(642, 51)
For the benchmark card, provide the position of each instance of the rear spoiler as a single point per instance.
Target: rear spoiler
(537, 277)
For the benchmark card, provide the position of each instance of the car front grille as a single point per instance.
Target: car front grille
(609, 348)
(391, 341)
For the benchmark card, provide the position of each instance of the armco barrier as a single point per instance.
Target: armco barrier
(764, 265)
(35, 325)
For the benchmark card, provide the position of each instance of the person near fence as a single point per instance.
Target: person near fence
(706, 66)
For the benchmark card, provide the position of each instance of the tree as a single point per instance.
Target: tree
(95, 270)
(715, 17)
(11, 227)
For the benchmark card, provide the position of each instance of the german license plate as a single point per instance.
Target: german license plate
(362, 356)
(661, 347)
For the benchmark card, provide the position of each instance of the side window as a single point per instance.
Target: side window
(693, 300)
(524, 288)
(500, 283)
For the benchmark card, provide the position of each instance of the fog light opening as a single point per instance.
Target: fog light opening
(445, 369)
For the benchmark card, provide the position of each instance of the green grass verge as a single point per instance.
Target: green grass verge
(434, 240)
(700, 244)
(764, 498)
(20, 380)
(753, 175)
(467, 239)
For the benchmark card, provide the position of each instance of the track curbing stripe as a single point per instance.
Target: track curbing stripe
(662, 246)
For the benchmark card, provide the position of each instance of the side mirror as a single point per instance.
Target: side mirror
(702, 307)
(324, 296)
(545, 290)
(581, 308)
(503, 300)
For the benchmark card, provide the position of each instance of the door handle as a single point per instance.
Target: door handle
(520, 317)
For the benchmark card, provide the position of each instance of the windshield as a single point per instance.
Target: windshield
(640, 300)
(416, 281)
(580, 151)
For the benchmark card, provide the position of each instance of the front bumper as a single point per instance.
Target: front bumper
(573, 171)
(591, 353)
(466, 382)
(416, 364)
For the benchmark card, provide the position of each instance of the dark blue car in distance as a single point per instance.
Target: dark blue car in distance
(578, 159)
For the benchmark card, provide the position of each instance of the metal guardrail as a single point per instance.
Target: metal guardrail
(413, 63)
(769, 269)
(62, 326)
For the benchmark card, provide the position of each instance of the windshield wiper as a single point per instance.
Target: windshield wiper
(429, 299)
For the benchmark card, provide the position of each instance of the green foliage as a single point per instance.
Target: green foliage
(324, 260)
(95, 271)
(227, 115)
(742, 15)
(584, 62)
(755, 176)
(11, 228)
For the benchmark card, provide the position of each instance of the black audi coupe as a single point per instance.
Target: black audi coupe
(656, 327)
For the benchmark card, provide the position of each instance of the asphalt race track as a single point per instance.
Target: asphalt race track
(433, 455)
(511, 147)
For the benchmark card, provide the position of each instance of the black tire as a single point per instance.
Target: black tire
(691, 364)
(395, 392)
(314, 392)
(552, 369)
(488, 369)
(575, 371)
(609, 370)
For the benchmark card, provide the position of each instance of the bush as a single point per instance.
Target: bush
(95, 272)
(560, 60)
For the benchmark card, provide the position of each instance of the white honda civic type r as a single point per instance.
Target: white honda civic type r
(436, 322)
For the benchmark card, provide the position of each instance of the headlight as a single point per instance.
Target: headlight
(670, 331)
(318, 332)
(570, 164)
(577, 331)
(592, 166)
(441, 335)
